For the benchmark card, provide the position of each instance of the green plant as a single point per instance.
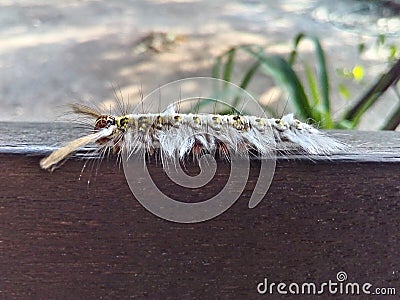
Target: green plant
(312, 98)
(383, 83)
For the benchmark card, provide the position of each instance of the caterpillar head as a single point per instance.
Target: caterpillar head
(104, 121)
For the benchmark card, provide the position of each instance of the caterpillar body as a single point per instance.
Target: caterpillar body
(176, 135)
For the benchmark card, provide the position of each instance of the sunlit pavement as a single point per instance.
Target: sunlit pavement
(56, 52)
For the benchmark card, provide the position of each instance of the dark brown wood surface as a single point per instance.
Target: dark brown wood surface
(64, 238)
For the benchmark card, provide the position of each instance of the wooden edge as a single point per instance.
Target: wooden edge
(75, 234)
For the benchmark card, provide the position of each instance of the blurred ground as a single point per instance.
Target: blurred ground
(57, 52)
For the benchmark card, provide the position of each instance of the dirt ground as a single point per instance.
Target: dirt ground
(57, 52)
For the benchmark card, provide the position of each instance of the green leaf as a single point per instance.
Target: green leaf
(322, 75)
(312, 85)
(249, 74)
(283, 75)
(392, 52)
(381, 39)
(344, 91)
(229, 65)
(246, 80)
(345, 124)
(361, 48)
(293, 53)
(216, 67)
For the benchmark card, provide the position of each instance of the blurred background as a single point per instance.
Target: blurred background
(57, 52)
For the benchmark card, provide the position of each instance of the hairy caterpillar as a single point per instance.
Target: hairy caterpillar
(176, 135)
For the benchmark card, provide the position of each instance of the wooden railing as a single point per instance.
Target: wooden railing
(75, 234)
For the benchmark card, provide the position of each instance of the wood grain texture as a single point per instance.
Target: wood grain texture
(63, 238)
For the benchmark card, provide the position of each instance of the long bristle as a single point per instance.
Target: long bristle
(85, 110)
(50, 162)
